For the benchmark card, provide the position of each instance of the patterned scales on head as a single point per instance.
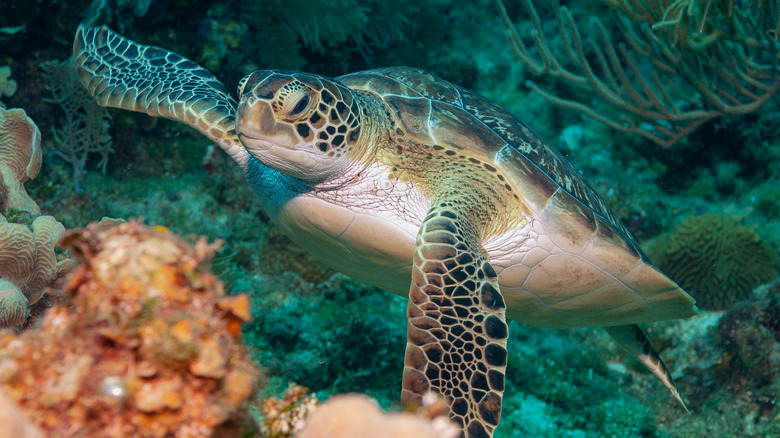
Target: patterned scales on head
(410, 183)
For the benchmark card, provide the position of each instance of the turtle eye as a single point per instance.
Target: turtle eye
(301, 106)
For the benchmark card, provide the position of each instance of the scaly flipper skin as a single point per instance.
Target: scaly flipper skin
(634, 340)
(121, 73)
(456, 331)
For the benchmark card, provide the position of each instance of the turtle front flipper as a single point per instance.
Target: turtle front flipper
(121, 73)
(633, 340)
(456, 327)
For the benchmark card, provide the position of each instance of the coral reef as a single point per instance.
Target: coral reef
(749, 334)
(29, 266)
(85, 130)
(13, 305)
(20, 160)
(7, 85)
(715, 259)
(730, 370)
(147, 346)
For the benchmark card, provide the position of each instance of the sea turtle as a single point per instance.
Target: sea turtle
(410, 183)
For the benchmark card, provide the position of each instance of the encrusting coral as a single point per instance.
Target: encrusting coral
(20, 160)
(718, 261)
(148, 345)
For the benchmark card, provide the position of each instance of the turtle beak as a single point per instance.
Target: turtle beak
(254, 118)
(268, 140)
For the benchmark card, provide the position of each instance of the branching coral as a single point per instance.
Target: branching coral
(86, 125)
(676, 65)
(148, 345)
(715, 259)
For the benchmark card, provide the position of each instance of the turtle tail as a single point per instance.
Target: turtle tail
(633, 339)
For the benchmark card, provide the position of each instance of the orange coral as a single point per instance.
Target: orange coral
(145, 348)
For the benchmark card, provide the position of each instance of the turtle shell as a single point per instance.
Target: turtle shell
(434, 111)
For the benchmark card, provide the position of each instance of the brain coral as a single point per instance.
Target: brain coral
(29, 262)
(715, 259)
(20, 159)
(13, 305)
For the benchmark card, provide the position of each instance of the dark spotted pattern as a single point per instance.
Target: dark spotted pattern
(323, 110)
(456, 323)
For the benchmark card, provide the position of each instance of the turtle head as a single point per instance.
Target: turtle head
(300, 124)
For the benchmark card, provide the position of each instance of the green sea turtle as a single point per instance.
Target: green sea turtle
(420, 187)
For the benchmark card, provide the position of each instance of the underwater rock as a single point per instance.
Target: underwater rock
(147, 346)
(716, 260)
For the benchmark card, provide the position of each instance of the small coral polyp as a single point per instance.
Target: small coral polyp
(147, 346)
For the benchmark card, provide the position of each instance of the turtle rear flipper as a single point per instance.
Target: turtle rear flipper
(633, 339)
(121, 73)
